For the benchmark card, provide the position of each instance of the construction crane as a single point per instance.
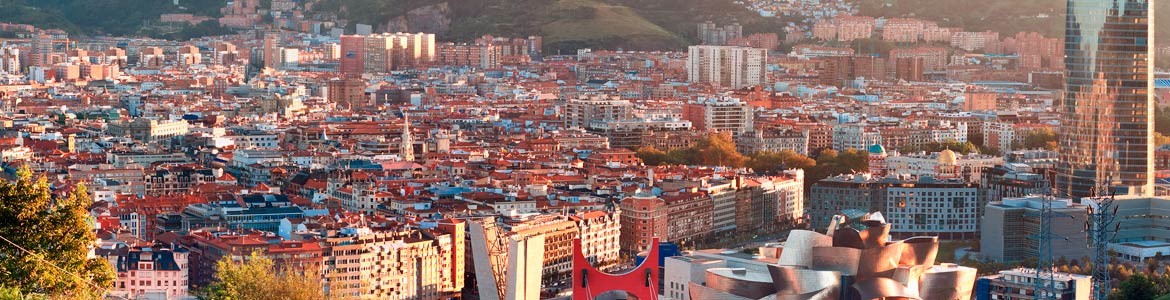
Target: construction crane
(497, 248)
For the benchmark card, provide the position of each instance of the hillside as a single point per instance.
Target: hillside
(565, 24)
(100, 17)
(1004, 16)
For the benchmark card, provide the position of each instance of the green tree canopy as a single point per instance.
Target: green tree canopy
(713, 150)
(258, 278)
(56, 237)
(651, 156)
(960, 148)
(1038, 139)
(719, 150)
(1137, 286)
(770, 162)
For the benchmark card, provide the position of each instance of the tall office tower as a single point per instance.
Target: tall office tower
(272, 50)
(379, 53)
(1107, 132)
(42, 51)
(353, 54)
(727, 66)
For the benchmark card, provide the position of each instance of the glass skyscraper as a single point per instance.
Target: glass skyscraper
(1106, 134)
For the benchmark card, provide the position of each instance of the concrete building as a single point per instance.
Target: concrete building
(207, 248)
(949, 209)
(148, 130)
(593, 111)
(1019, 284)
(772, 141)
(727, 66)
(353, 54)
(722, 114)
(1013, 181)
(347, 92)
(711, 34)
(384, 263)
(855, 136)
(480, 56)
(189, 55)
(1008, 224)
(10, 61)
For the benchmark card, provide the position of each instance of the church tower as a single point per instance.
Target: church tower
(406, 148)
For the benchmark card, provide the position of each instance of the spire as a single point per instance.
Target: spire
(406, 148)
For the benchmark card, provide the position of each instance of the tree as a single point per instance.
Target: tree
(769, 162)
(10, 293)
(56, 236)
(1038, 139)
(1137, 286)
(960, 148)
(257, 278)
(651, 156)
(719, 150)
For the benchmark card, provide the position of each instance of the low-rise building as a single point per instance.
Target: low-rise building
(157, 272)
(1009, 224)
(1019, 284)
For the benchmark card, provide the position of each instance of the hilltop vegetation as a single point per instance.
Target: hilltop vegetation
(100, 17)
(1004, 16)
(568, 24)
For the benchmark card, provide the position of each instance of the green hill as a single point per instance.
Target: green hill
(568, 24)
(573, 23)
(1004, 16)
(107, 17)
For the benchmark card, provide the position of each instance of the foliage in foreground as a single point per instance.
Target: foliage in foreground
(59, 236)
(255, 279)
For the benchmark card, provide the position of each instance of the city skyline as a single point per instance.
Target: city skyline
(584, 149)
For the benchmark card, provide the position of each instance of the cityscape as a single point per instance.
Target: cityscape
(585, 149)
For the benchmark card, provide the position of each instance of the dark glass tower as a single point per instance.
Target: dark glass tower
(1106, 134)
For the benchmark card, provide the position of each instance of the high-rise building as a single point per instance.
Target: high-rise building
(378, 53)
(353, 54)
(728, 66)
(711, 34)
(1107, 130)
(42, 51)
(10, 60)
(272, 50)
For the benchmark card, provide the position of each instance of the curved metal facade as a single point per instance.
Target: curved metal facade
(850, 264)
